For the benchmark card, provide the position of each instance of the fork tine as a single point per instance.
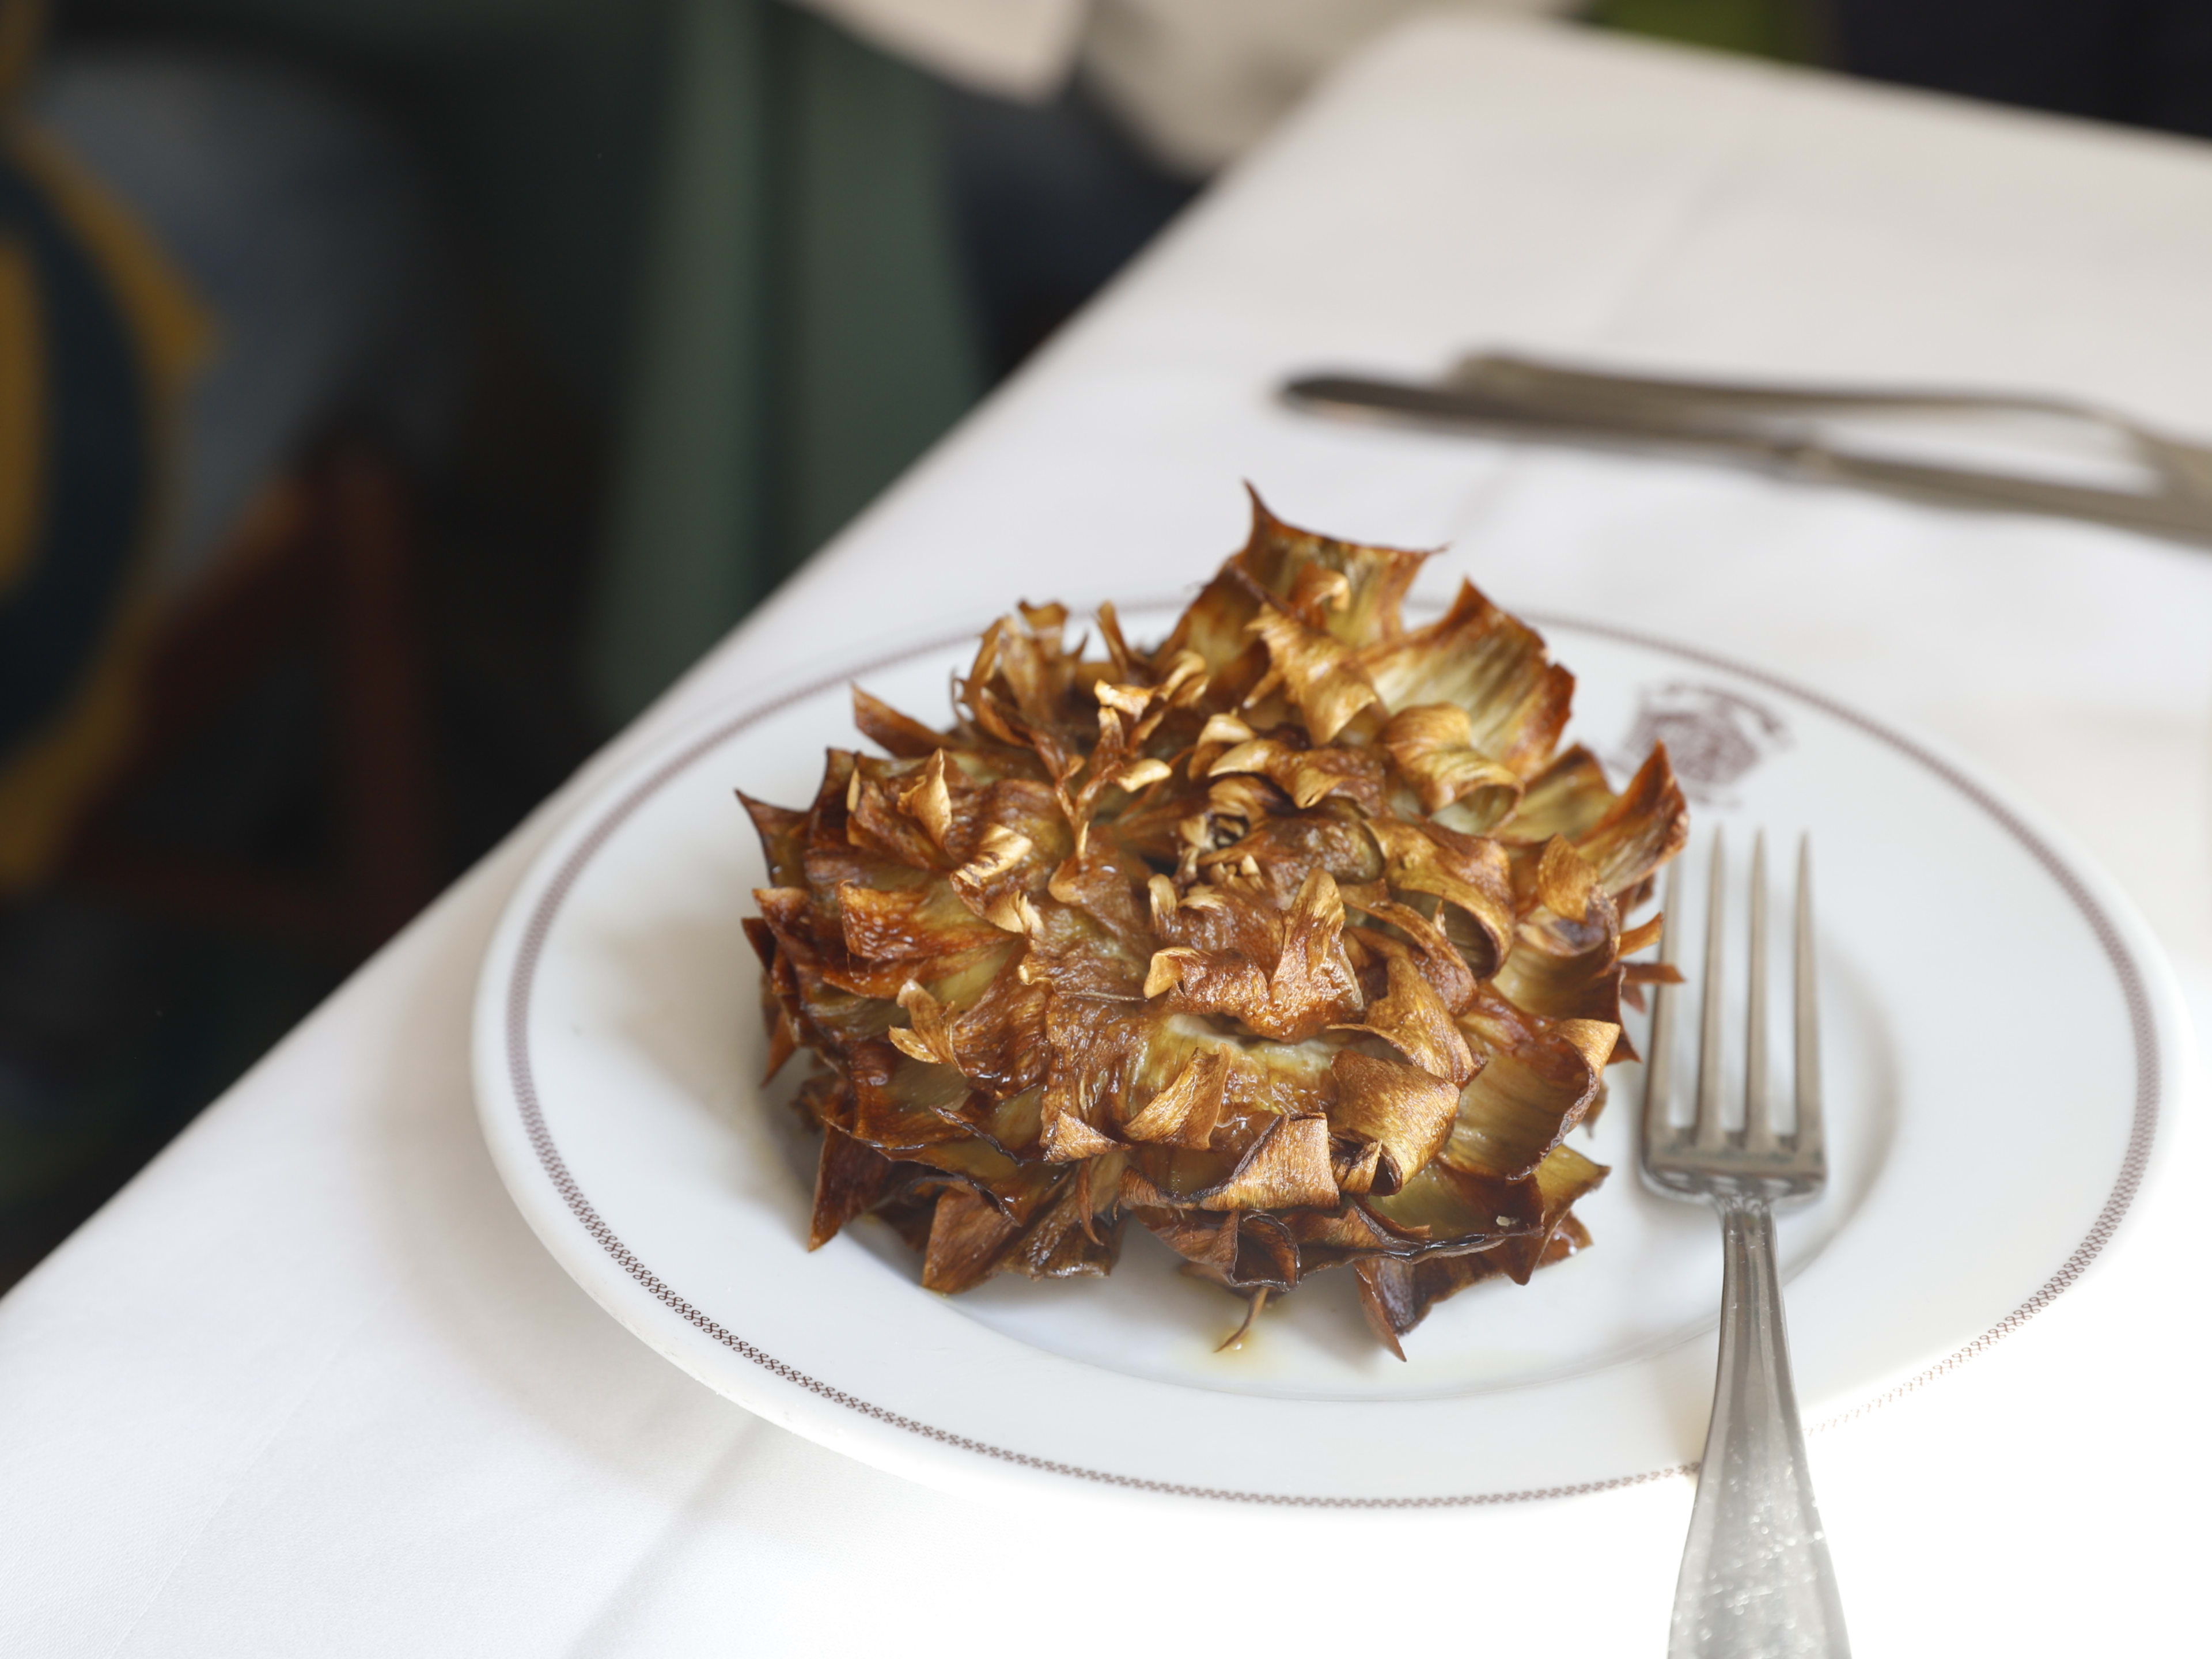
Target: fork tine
(1757, 1095)
(1711, 1134)
(1807, 1140)
(1659, 1066)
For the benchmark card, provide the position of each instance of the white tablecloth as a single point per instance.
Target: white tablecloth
(309, 1386)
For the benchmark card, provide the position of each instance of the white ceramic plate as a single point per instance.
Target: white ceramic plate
(1999, 1027)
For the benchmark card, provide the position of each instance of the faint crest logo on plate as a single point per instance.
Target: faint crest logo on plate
(1714, 737)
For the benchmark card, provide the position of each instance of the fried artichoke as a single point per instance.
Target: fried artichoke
(1294, 940)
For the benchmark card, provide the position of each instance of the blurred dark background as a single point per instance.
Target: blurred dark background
(464, 369)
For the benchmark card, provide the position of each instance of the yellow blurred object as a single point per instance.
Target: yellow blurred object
(49, 775)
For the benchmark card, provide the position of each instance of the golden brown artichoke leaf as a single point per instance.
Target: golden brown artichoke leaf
(1467, 873)
(1409, 1112)
(1412, 1018)
(1445, 1210)
(1432, 745)
(1287, 1167)
(1641, 830)
(1318, 672)
(1111, 1062)
(1069, 1239)
(851, 1178)
(829, 1014)
(1565, 879)
(1311, 776)
(1489, 664)
(1568, 798)
(1397, 1295)
(911, 924)
(905, 1106)
(1403, 931)
(1334, 1238)
(1070, 953)
(997, 1040)
(968, 1239)
(1243, 1252)
(1363, 610)
(783, 838)
(1107, 884)
(780, 1009)
(1562, 1180)
(1287, 848)
(894, 732)
(1309, 986)
(1562, 970)
(1521, 1104)
(881, 815)
(1187, 1111)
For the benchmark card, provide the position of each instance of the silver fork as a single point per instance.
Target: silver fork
(1756, 1580)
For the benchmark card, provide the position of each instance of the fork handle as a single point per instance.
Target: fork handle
(1756, 1582)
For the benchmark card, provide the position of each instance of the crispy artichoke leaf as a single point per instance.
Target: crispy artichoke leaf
(1523, 1101)
(1070, 1238)
(893, 732)
(1396, 1295)
(1432, 745)
(851, 1179)
(1364, 611)
(1568, 798)
(1110, 1064)
(1305, 984)
(1490, 665)
(1187, 1111)
(780, 1005)
(1311, 776)
(1242, 1253)
(1444, 1210)
(814, 982)
(1283, 851)
(783, 840)
(1412, 1018)
(1565, 879)
(1318, 671)
(1641, 830)
(1408, 1111)
(1565, 969)
(1071, 952)
(1401, 930)
(1470, 875)
(1360, 607)
(911, 924)
(997, 1041)
(1109, 883)
(1288, 1167)
(925, 1113)
(968, 1235)
(1563, 1180)
(1331, 1238)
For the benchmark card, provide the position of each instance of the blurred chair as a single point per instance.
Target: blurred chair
(324, 557)
(267, 523)
(230, 361)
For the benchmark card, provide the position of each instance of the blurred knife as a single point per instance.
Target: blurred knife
(1769, 427)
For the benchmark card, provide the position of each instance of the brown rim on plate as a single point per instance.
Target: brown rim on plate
(2141, 1133)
